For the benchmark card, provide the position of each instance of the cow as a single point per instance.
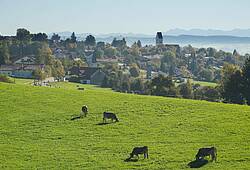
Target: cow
(207, 152)
(109, 115)
(84, 111)
(139, 150)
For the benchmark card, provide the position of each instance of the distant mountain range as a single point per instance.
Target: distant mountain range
(226, 40)
(210, 32)
(172, 32)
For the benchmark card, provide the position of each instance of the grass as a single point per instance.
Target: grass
(204, 83)
(36, 131)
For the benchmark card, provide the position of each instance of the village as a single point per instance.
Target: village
(89, 59)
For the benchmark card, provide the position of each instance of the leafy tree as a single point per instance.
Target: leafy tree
(4, 54)
(231, 84)
(207, 93)
(206, 75)
(134, 71)
(119, 43)
(232, 88)
(90, 40)
(186, 90)
(246, 81)
(168, 62)
(163, 86)
(98, 53)
(55, 37)
(110, 52)
(39, 37)
(23, 34)
(137, 85)
(39, 74)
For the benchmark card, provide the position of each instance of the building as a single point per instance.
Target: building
(19, 71)
(28, 60)
(159, 38)
(87, 75)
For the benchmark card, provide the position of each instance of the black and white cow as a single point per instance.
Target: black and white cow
(84, 111)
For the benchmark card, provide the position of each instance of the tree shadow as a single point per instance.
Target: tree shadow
(198, 163)
(131, 160)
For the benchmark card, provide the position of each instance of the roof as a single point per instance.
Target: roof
(84, 72)
(19, 67)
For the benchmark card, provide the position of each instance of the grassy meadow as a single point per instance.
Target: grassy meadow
(36, 130)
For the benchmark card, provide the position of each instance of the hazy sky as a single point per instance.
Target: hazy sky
(123, 16)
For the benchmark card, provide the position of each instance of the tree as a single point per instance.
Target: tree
(98, 53)
(163, 86)
(23, 34)
(90, 40)
(137, 85)
(206, 75)
(186, 90)
(231, 84)
(110, 52)
(4, 54)
(39, 74)
(134, 71)
(39, 37)
(232, 88)
(139, 44)
(55, 37)
(246, 81)
(168, 63)
(73, 38)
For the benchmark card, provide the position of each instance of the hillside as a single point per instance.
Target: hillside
(37, 133)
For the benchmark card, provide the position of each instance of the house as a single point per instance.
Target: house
(159, 38)
(8, 69)
(19, 71)
(26, 60)
(87, 75)
(25, 71)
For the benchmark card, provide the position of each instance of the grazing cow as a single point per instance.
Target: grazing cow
(84, 111)
(207, 152)
(139, 150)
(108, 115)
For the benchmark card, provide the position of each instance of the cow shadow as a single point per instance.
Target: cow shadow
(198, 163)
(76, 118)
(131, 160)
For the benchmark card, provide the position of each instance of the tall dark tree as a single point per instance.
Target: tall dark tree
(246, 81)
(23, 34)
(39, 37)
(90, 40)
(139, 44)
(163, 86)
(4, 54)
(232, 88)
(73, 38)
(55, 37)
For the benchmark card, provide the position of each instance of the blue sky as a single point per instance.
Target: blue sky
(123, 16)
